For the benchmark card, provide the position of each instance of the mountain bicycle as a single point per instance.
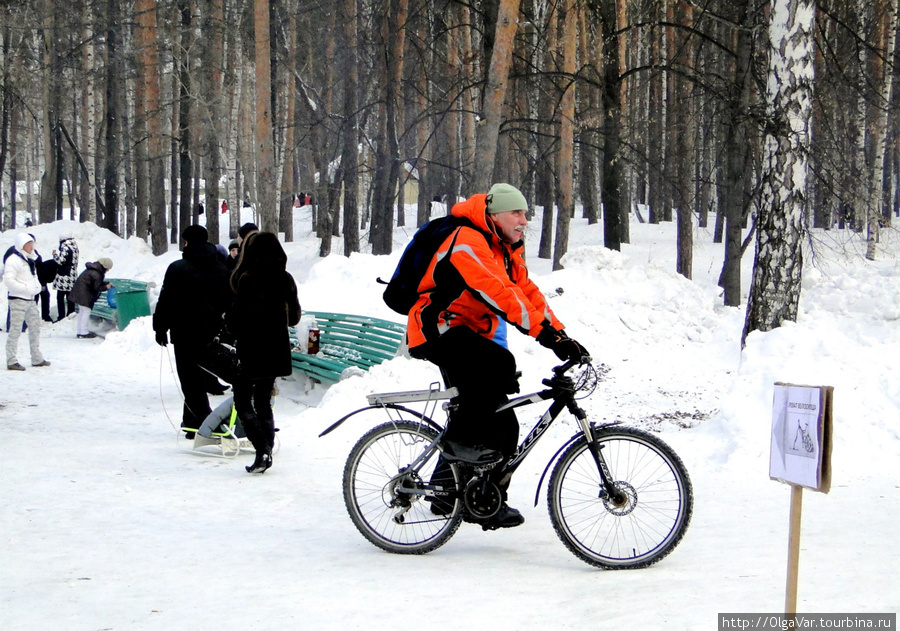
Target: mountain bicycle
(618, 497)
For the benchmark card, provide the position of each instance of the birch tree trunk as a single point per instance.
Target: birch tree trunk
(88, 119)
(775, 288)
(497, 81)
(886, 16)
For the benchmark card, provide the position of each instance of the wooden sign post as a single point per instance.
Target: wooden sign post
(801, 457)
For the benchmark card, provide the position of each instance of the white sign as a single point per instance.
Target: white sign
(801, 424)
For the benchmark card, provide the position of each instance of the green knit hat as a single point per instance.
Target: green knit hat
(504, 197)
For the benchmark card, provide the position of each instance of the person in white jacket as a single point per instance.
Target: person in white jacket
(20, 277)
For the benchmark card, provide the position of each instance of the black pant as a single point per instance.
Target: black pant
(45, 304)
(63, 305)
(193, 384)
(484, 373)
(253, 402)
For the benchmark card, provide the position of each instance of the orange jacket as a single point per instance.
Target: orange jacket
(474, 280)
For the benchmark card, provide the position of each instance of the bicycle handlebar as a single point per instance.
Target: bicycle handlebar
(569, 365)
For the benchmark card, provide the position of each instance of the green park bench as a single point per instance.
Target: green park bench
(346, 340)
(132, 302)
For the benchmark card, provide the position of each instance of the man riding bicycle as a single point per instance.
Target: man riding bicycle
(476, 283)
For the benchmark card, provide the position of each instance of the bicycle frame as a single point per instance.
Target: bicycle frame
(561, 390)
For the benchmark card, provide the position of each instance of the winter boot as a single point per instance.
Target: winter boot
(257, 429)
(262, 462)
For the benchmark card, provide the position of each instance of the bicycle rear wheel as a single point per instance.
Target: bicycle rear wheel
(636, 532)
(376, 483)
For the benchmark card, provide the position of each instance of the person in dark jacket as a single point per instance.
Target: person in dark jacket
(87, 288)
(192, 300)
(234, 251)
(265, 305)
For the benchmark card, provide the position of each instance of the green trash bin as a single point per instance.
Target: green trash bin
(132, 300)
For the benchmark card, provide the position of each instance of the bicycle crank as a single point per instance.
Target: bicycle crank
(482, 498)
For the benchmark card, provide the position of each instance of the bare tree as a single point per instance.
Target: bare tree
(497, 81)
(265, 144)
(775, 288)
(145, 12)
(566, 134)
(885, 32)
(350, 148)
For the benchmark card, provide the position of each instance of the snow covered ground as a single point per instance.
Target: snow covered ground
(108, 521)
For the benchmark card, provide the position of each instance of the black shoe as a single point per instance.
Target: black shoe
(454, 451)
(506, 517)
(86, 336)
(262, 462)
(189, 432)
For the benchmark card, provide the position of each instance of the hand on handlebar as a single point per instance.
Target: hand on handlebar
(562, 345)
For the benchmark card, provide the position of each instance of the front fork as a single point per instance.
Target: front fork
(615, 495)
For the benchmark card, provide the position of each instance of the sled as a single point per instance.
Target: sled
(224, 442)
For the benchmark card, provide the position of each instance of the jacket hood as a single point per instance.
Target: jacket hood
(22, 240)
(473, 210)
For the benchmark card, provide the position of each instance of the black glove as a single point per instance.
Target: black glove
(161, 338)
(561, 344)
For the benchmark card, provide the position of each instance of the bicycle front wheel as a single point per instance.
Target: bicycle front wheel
(377, 484)
(644, 523)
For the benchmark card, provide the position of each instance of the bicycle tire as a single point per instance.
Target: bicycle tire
(373, 462)
(655, 516)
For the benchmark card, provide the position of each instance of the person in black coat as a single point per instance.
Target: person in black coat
(265, 305)
(189, 310)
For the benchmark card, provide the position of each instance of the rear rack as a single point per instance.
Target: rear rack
(432, 394)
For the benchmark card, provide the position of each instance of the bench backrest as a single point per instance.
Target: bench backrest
(360, 340)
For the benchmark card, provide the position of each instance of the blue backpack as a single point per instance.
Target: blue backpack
(402, 290)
